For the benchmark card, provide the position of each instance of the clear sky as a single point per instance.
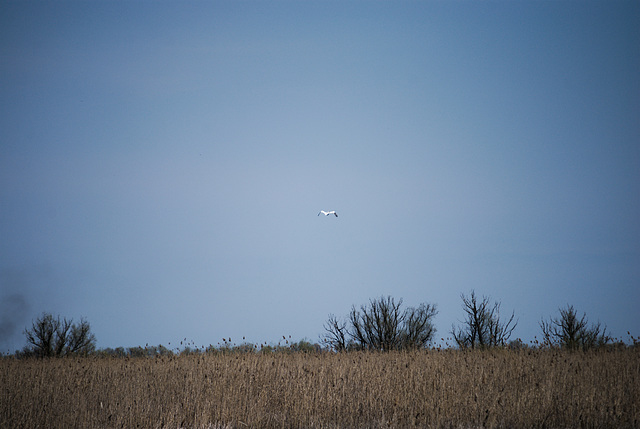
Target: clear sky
(162, 163)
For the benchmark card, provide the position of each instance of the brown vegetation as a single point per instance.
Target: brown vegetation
(434, 388)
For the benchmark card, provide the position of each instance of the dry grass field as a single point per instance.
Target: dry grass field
(430, 389)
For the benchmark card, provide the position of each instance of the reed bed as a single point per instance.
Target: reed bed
(430, 389)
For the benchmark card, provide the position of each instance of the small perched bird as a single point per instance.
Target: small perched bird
(332, 212)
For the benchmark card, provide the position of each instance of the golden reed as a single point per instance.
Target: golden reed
(426, 389)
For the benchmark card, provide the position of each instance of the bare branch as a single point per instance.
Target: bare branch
(336, 333)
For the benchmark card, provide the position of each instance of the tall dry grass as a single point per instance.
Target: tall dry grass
(434, 389)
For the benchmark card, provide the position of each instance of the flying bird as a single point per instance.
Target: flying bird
(332, 212)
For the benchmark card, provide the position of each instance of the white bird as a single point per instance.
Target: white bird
(332, 212)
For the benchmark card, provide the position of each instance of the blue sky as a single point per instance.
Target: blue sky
(162, 163)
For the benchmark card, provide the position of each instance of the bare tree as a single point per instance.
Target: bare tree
(418, 328)
(336, 335)
(382, 325)
(54, 337)
(572, 332)
(482, 327)
(377, 326)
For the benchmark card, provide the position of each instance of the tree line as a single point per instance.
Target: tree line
(381, 325)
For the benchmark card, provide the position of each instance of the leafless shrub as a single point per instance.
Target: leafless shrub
(55, 337)
(571, 332)
(382, 325)
(482, 327)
